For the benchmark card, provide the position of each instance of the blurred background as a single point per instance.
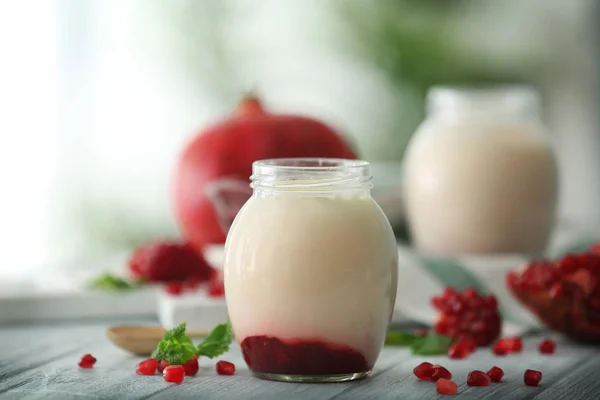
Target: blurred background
(99, 96)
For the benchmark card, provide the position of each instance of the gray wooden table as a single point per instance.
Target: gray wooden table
(40, 362)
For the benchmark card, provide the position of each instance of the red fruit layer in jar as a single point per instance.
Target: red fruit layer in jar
(301, 357)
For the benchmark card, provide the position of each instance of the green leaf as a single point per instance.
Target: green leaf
(114, 283)
(399, 338)
(217, 342)
(431, 345)
(176, 347)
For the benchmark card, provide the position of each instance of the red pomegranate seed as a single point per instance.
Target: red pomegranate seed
(515, 344)
(440, 372)
(461, 349)
(191, 367)
(162, 364)
(225, 368)
(501, 348)
(478, 378)
(174, 288)
(174, 373)
(446, 386)
(532, 377)
(147, 367)
(423, 371)
(547, 347)
(87, 361)
(193, 282)
(495, 374)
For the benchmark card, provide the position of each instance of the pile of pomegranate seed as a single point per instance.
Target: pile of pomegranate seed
(565, 294)
(506, 346)
(147, 367)
(467, 315)
(87, 361)
(225, 368)
(532, 377)
(446, 386)
(174, 373)
(478, 378)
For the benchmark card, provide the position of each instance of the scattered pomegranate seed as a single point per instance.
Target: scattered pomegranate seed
(191, 367)
(174, 373)
(532, 377)
(500, 348)
(423, 371)
(87, 361)
(175, 288)
(446, 386)
(225, 368)
(440, 372)
(515, 344)
(193, 283)
(547, 346)
(495, 374)
(467, 314)
(478, 378)
(162, 364)
(147, 367)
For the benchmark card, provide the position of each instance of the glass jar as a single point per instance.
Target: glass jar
(480, 174)
(310, 271)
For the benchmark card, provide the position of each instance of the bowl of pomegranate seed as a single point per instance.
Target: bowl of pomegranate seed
(563, 293)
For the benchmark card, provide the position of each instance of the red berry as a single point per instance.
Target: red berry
(547, 347)
(532, 377)
(162, 364)
(446, 386)
(225, 368)
(461, 349)
(168, 261)
(174, 288)
(147, 367)
(191, 367)
(467, 314)
(174, 373)
(478, 378)
(423, 371)
(87, 361)
(495, 374)
(440, 372)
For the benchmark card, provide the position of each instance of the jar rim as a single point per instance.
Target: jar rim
(310, 164)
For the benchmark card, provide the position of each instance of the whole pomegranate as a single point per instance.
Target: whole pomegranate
(211, 180)
(563, 294)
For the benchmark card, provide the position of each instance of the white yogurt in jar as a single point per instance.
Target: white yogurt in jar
(310, 279)
(481, 175)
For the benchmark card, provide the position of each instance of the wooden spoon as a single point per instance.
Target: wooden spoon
(142, 340)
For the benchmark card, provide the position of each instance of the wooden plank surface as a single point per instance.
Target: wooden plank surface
(40, 362)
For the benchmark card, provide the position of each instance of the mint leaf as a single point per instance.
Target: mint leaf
(176, 347)
(431, 345)
(399, 338)
(217, 342)
(114, 283)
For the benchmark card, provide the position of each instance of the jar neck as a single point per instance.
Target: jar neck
(311, 177)
(502, 104)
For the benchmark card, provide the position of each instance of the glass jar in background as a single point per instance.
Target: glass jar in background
(310, 271)
(480, 174)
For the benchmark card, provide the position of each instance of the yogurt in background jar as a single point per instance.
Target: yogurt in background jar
(480, 174)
